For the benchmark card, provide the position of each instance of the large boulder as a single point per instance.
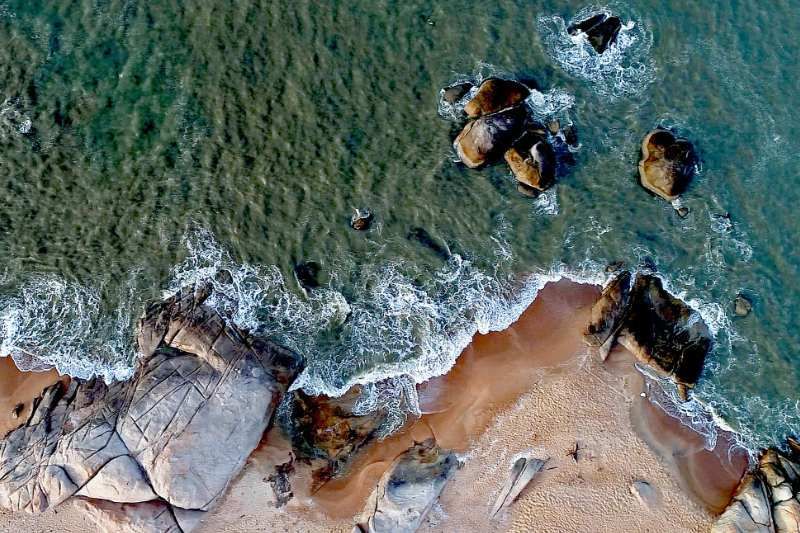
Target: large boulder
(601, 30)
(659, 329)
(156, 440)
(533, 162)
(768, 498)
(667, 164)
(665, 333)
(484, 139)
(495, 94)
(410, 487)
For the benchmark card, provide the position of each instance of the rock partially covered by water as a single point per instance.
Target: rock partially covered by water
(486, 138)
(163, 445)
(454, 93)
(659, 329)
(409, 489)
(667, 164)
(532, 161)
(361, 219)
(768, 498)
(601, 30)
(495, 94)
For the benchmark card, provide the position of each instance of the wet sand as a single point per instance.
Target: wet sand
(17, 387)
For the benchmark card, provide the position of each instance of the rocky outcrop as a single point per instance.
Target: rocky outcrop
(532, 161)
(525, 469)
(768, 498)
(667, 164)
(659, 329)
(452, 94)
(488, 137)
(496, 94)
(203, 394)
(409, 489)
(601, 30)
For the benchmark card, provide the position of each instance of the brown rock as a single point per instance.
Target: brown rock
(667, 164)
(489, 136)
(535, 167)
(610, 310)
(742, 305)
(361, 219)
(495, 94)
(454, 93)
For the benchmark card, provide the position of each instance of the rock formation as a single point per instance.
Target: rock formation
(454, 93)
(667, 164)
(601, 30)
(156, 452)
(768, 498)
(525, 469)
(496, 94)
(659, 329)
(532, 161)
(409, 488)
(488, 137)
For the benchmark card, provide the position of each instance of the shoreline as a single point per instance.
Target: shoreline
(510, 391)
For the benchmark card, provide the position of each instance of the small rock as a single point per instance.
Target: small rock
(454, 93)
(615, 266)
(533, 162)
(601, 30)
(17, 410)
(280, 483)
(224, 277)
(742, 305)
(361, 219)
(525, 469)
(306, 274)
(667, 164)
(525, 190)
(496, 94)
(554, 127)
(683, 212)
(645, 493)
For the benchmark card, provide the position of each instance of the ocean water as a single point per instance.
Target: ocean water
(144, 145)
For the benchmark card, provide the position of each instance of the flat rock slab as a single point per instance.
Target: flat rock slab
(173, 436)
(524, 470)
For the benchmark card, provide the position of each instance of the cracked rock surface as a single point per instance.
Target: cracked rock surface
(768, 499)
(153, 453)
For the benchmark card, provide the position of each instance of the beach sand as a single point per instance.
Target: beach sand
(534, 387)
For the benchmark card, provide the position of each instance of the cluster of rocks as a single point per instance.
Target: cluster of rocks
(500, 125)
(658, 328)
(158, 451)
(601, 30)
(768, 498)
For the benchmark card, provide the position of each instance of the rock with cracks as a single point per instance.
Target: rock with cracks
(768, 498)
(409, 489)
(155, 452)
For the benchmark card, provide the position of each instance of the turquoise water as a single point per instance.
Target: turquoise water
(148, 144)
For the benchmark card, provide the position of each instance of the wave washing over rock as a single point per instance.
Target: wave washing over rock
(624, 70)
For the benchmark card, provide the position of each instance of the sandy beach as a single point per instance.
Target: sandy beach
(535, 388)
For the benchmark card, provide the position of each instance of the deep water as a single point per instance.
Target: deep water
(144, 145)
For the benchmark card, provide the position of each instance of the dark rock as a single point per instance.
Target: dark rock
(534, 166)
(203, 393)
(224, 276)
(495, 94)
(683, 212)
(615, 266)
(409, 489)
(306, 274)
(601, 30)
(280, 483)
(767, 498)
(454, 93)
(648, 265)
(422, 236)
(667, 164)
(17, 410)
(488, 137)
(610, 310)
(361, 220)
(742, 305)
(525, 190)
(665, 333)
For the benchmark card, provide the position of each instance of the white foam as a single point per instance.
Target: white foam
(624, 69)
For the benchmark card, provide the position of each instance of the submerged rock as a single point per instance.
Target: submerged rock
(667, 164)
(659, 329)
(495, 94)
(203, 393)
(306, 274)
(601, 30)
(533, 162)
(422, 236)
(488, 137)
(410, 487)
(768, 498)
(525, 469)
(454, 93)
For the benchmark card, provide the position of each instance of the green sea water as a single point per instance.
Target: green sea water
(144, 145)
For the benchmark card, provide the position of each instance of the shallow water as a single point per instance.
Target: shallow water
(146, 145)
